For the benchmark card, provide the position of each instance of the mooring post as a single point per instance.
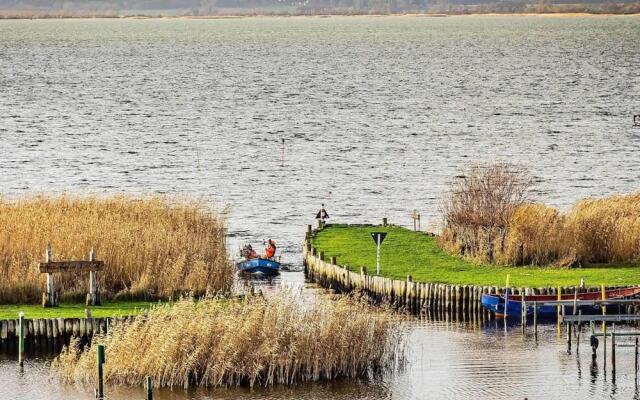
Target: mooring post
(604, 310)
(613, 351)
(535, 320)
(636, 361)
(523, 312)
(334, 260)
(149, 387)
(569, 326)
(101, 360)
(384, 221)
(593, 339)
(579, 328)
(604, 348)
(21, 339)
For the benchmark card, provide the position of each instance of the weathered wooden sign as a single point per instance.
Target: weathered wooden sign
(49, 267)
(69, 266)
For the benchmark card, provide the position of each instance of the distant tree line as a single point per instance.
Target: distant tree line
(119, 8)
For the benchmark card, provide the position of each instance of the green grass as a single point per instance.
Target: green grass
(108, 309)
(405, 252)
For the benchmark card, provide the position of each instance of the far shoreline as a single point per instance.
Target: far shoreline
(318, 16)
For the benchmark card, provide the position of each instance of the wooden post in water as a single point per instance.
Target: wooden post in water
(21, 339)
(604, 309)
(569, 326)
(384, 221)
(558, 309)
(535, 320)
(636, 361)
(149, 387)
(523, 313)
(101, 360)
(334, 260)
(613, 353)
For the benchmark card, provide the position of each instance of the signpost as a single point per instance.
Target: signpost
(415, 216)
(378, 238)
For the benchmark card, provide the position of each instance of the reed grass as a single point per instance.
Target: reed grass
(593, 231)
(152, 247)
(253, 341)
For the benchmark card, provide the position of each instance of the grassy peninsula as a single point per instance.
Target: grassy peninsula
(405, 252)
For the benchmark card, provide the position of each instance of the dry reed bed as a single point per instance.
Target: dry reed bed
(152, 247)
(254, 342)
(593, 231)
(489, 217)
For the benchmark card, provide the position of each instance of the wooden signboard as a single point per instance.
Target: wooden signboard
(69, 266)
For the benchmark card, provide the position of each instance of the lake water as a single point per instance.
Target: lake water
(378, 114)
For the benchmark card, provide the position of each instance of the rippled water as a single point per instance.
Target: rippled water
(377, 115)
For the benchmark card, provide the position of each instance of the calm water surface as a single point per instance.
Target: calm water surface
(377, 115)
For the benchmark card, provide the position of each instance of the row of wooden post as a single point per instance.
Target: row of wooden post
(416, 297)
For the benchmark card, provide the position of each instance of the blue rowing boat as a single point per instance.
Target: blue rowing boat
(263, 266)
(511, 306)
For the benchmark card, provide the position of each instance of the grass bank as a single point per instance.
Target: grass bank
(255, 341)
(405, 252)
(75, 310)
(153, 247)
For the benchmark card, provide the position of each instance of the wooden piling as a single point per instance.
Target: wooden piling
(569, 327)
(21, 337)
(535, 320)
(100, 360)
(636, 360)
(149, 388)
(613, 352)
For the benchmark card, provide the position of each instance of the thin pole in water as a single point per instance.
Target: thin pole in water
(558, 309)
(21, 339)
(613, 353)
(604, 309)
(101, 360)
(282, 151)
(506, 298)
(535, 320)
(149, 387)
(636, 361)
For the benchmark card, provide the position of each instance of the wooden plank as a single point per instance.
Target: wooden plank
(589, 302)
(70, 266)
(598, 318)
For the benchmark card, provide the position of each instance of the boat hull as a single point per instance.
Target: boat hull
(259, 266)
(496, 303)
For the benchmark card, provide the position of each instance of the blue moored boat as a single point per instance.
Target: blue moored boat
(496, 303)
(264, 266)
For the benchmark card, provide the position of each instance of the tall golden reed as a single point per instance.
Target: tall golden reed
(593, 231)
(253, 342)
(152, 247)
(606, 230)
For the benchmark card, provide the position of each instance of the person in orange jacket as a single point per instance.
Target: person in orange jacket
(270, 250)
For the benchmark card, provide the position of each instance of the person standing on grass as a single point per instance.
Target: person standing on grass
(322, 214)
